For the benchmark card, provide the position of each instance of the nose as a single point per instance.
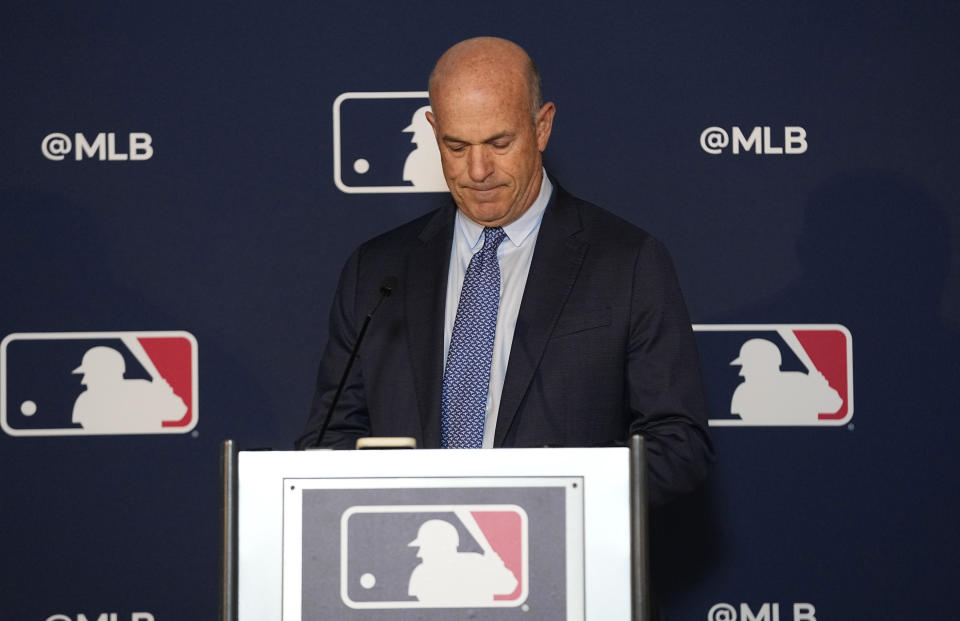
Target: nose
(479, 163)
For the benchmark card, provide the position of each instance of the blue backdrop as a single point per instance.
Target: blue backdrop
(214, 209)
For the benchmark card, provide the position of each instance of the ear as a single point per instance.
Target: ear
(543, 124)
(433, 121)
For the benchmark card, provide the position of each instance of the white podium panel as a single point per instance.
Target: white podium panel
(519, 534)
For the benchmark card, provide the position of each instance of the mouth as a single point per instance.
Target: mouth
(485, 194)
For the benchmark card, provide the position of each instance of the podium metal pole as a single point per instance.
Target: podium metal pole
(640, 579)
(228, 531)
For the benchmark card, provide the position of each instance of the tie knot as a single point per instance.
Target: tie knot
(493, 237)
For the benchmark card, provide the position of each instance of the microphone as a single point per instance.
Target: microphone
(386, 289)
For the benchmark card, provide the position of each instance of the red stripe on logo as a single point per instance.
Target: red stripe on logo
(504, 532)
(828, 351)
(172, 358)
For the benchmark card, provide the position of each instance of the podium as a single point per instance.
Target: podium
(519, 534)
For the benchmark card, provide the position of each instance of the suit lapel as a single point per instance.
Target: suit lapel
(426, 273)
(556, 262)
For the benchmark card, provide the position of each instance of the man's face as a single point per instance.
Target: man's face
(490, 147)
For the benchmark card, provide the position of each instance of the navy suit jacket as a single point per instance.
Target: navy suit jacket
(603, 346)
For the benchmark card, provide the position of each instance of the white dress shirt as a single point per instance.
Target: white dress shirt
(514, 256)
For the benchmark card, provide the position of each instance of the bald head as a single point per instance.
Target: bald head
(488, 61)
(490, 127)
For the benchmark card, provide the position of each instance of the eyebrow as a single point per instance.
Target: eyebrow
(493, 138)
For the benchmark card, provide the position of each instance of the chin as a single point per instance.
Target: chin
(486, 213)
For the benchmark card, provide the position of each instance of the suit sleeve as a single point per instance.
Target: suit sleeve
(350, 420)
(664, 386)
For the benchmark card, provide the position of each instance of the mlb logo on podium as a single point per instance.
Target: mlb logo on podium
(383, 144)
(432, 548)
(434, 556)
(98, 383)
(767, 375)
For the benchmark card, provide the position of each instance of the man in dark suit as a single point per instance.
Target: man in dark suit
(592, 338)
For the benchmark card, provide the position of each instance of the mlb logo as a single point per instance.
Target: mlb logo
(388, 548)
(383, 144)
(777, 374)
(98, 383)
(434, 556)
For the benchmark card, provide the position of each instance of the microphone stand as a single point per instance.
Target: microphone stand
(386, 288)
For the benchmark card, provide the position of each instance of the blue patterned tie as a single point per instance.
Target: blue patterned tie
(466, 380)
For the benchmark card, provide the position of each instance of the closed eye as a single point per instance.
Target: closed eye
(500, 141)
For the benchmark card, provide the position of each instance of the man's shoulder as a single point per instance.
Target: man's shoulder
(410, 233)
(598, 224)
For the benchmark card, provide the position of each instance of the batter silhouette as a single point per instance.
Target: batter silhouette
(422, 167)
(770, 396)
(446, 577)
(112, 404)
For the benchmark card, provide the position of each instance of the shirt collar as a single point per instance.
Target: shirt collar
(518, 230)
